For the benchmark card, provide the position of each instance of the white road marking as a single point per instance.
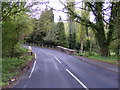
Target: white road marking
(50, 53)
(57, 59)
(77, 79)
(35, 56)
(24, 86)
(32, 69)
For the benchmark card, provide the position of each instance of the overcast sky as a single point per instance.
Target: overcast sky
(55, 4)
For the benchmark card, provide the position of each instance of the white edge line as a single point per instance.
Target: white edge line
(57, 59)
(77, 79)
(32, 69)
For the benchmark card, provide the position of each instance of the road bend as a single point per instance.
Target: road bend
(54, 69)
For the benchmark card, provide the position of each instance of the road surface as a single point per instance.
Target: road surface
(54, 69)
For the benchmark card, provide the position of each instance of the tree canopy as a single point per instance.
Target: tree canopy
(101, 32)
(16, 24)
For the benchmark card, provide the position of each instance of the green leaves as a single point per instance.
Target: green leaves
(15, 26)
(98, 27)
(43, 27)
(61, 37)
(10, 9)
(11, 67)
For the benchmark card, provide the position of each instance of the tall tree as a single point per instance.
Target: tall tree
(84, 29)
(102, 38)
(51, 37)
(72, 32)
(56, 35)
(60, 30)
(44, 25)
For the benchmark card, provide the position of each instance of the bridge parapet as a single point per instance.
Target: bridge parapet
(66, 50)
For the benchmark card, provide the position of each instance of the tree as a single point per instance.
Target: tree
(102, 38)
(10, 9)
(60, 33)
(56, 35)
(32, 37)
(72, 32)
(84, 29)
(116, 34)
(16, 24)
(44, 25)
(51, 36)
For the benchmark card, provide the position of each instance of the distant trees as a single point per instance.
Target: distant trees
(47, 31)
(43, 25)
(51, 38)
(101, 32)
(60, 34)
(56, 35)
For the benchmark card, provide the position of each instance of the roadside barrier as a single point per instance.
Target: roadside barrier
(59, 48)
(66, 50)
(29, 50)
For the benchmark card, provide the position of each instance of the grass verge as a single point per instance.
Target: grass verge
(111, 59)
(12, 67)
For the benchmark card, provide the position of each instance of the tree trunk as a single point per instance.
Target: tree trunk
(82, 44)
(90, 45)
(104, 51)
(118, 50)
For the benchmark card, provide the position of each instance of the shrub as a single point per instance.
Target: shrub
(19, 50)
(11, 67)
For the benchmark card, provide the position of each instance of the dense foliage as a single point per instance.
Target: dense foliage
(47, 32)
(103, 37)
(16, 24)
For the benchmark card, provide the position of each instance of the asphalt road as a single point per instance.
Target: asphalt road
(54, 69)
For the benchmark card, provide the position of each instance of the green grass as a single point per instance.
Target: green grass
(111, 59)
(11, 67)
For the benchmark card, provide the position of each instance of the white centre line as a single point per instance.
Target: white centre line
(50, 53)
(77, 79)
(32, 69)
(57, 59)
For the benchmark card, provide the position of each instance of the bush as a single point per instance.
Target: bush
(82, 54)
(11, 67)
(93, 54)
(19, 50)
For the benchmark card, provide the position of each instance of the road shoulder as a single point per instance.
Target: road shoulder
(108, 66)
